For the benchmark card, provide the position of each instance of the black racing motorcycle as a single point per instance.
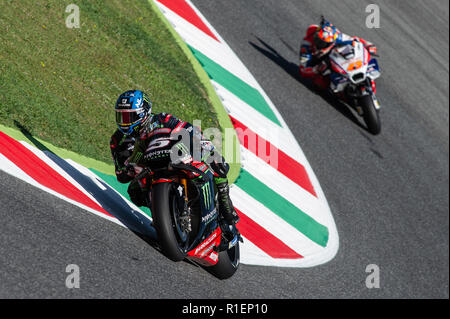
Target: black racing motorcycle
(184, 208)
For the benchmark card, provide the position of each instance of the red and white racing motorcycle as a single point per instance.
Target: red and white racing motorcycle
(353, 72)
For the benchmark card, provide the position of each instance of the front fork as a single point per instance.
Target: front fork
(368, 89)
(185, 216)
(206, 196)
(183, 181)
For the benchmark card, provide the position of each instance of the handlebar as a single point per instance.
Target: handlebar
(145, 171)
(188, 167)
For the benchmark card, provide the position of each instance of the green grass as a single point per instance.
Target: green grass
(61, 84)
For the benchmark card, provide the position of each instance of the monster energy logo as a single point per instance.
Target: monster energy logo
(207, 198)
(137, 157)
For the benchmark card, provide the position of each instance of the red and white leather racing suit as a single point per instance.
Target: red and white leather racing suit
(314, 62)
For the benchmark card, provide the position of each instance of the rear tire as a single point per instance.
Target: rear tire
(164, 223)
(370, 115)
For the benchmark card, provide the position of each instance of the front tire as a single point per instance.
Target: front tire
(164, 222)
(370, 115)
(228, 263)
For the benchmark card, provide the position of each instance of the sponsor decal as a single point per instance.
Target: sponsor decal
(207, 194)
(138, 102)
(206, 251)
(209, 216)
(214, 256)
(157, 154)
(205, 243)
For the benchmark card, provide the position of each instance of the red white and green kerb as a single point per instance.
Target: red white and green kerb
(285, 218)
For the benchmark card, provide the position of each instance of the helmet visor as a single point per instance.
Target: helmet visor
(320, 43)
(128, 117)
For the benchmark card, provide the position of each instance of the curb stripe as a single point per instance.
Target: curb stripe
(12, 169)
(63, 153)
(54, 162)
(264, 240)
(273, 223)
(122, 189)
(258, 123)
(235, 85)
(185, 11)
(285, 164)
(315, 231)
(38, 170)
(216, 51)
(284, 187)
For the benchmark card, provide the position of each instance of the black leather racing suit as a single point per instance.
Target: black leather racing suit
(162, 126)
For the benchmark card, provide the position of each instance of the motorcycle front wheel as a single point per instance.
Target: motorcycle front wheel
(228, 263)
(172, 240)
(370, 115)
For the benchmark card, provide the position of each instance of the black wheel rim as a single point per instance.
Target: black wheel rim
(182, 236)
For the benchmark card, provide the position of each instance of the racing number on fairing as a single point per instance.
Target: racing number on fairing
(354, 66)
(158, 143)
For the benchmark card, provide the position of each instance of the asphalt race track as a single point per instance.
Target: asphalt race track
(388, 193)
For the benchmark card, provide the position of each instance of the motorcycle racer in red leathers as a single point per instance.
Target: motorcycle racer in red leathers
(317, 45)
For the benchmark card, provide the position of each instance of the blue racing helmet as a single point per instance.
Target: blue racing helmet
(132, 109)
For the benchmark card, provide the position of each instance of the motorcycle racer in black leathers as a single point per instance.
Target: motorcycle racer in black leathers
(138, 128)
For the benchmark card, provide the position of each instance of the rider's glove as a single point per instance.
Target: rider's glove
(372, 49)
(207, 146)
(322, 68)
(130, 170)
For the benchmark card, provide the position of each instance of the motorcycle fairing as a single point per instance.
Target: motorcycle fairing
(204, 253)
(373, 69)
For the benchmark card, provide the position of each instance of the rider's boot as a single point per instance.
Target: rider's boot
(227, 211)
(226, 208)
(139, 195)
